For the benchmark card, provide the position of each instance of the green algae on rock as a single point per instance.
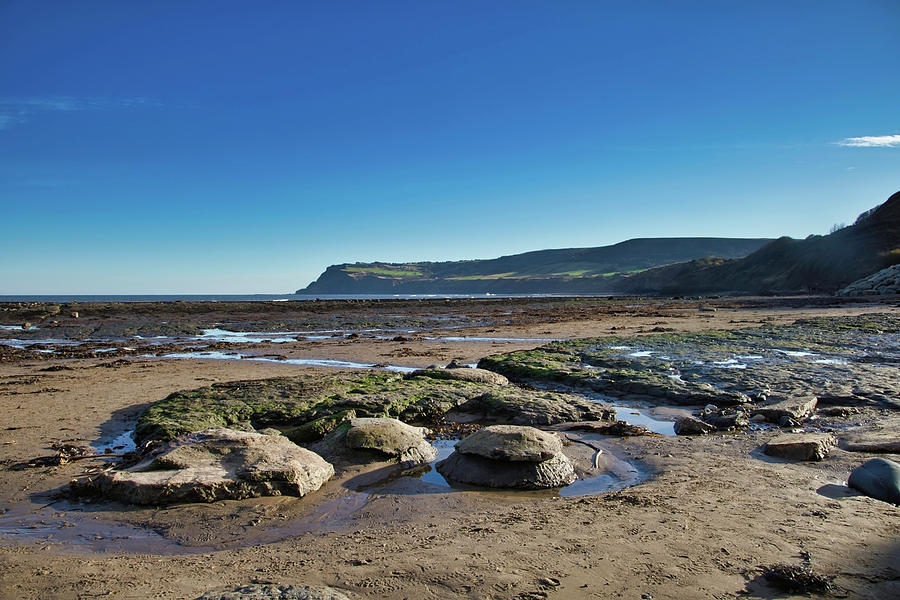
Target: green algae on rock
(309, 406)
(835, 359)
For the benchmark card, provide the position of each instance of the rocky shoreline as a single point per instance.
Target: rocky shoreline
(741, 373)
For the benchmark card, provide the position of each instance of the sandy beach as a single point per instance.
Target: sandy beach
(709, 513)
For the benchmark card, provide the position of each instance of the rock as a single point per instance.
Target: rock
(526, 407)
(274, 592)
(269, 431)
(692, 426)
(727, 420)
(801, 446)
(388, 437)
(876, 447)
(315, 430)
(463, 374)
(883, 282)
(507, 456)
(877, 478)
(798, 409)
(511, 443)
(477, 470)
(214, 464)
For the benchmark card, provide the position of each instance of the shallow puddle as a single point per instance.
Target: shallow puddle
(616, 474)
(642, 417)
(308, 362)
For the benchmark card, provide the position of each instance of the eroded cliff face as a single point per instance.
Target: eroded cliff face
(817, 264)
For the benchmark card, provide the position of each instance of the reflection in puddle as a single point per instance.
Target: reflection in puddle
(118, 444)
(307, 362)
(492, 339)
(730, 363)
(637, 416)
(795, 353)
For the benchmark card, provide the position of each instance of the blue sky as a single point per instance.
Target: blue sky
(235, 147)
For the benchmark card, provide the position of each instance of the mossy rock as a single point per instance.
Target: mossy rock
(305, 407)
(822, 357)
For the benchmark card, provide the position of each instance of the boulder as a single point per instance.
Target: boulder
(214, 464)
(463, 374)
(386, 437)
(692, 426)
(801, 446)
(796, 409)
(274, 592)
(877, 478)
(477, 470)
(511, 443)
(509, 456)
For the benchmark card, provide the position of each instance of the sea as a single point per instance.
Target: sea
(66, 298)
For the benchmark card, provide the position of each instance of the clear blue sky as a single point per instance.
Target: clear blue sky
(218, 147)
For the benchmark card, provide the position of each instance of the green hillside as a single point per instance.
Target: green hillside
(574, 270)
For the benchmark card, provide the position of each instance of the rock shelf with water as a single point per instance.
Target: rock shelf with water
(838, 361)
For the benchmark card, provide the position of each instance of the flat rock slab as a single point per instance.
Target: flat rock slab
(214, 464)
(535, 408)
(877, 478)
(275, 592)
(801, 446)
(477, 470)
(464, 374)
(798, 409)
(513, 443)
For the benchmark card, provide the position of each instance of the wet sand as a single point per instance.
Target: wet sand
(710, 512)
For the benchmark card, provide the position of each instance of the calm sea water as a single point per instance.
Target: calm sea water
(263, 297)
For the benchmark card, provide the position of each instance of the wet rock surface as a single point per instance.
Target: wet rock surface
(307, 407)
(210, 465)
(877, 478)
(840, 361)
(275, 592)
(801, 446)
(464, 374)
(387, 437)
(509, 457)
(534, 407)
